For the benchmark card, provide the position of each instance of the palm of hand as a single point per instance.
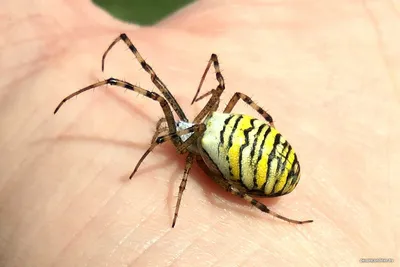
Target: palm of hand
(317, 77)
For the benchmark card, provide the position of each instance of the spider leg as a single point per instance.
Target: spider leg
(213, 102)
(235, 98)
(154, 78)
(169, 117)
(212, 91)
(153, 144)
(182, 186)
(197, 130)
(230, 187)
(262, 207)
(220, 79)
(159, 129)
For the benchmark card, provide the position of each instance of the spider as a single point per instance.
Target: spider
(246, 156)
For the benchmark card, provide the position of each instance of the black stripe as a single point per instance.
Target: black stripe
(259, 205)
(129, 86)
(295, 163)
(285, 161)
(292, 170)
(133, 49)
(123, 36)
(242, 147)
(286, 144)
(271, 156)
(278, 180)
(290, 174)
(111, 81)
(267, 132)
(246, 99)
(234, 129)
(231, 137)
(253, 149)
(280, 167)
(277, 174)
(221, 133)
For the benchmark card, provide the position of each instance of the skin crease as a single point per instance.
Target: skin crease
(328, 72)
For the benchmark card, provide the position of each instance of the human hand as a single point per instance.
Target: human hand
(327, 74)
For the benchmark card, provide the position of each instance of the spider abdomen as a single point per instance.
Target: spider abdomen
(251, 153)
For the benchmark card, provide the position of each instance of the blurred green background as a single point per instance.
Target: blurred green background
(143, 12)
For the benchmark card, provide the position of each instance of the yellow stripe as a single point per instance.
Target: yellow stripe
(291, 188)
(258, 146)
(238, 139)
(262, 167)
(272, 177)
(287, 186)
(289, 165)
(280, 175)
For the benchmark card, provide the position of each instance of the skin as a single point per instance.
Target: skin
(328, 72)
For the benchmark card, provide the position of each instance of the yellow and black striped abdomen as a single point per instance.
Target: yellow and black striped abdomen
(249, 152)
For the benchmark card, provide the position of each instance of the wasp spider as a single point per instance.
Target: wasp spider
(246, 156)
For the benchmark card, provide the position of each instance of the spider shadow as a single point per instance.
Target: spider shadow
(86, 138)
(127, 105)
(167, 150)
